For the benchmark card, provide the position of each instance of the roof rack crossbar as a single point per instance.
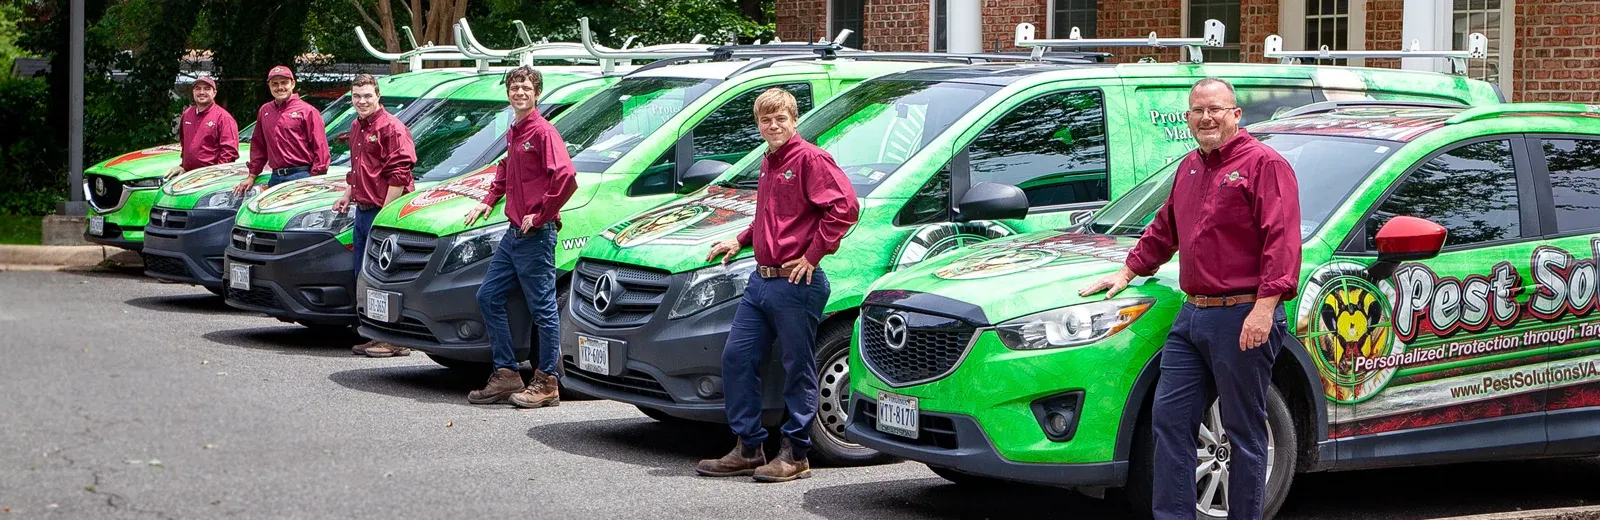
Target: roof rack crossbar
(412, 38)
(525, 55)
(1477, 47)
(1329, 106)
(1510, 109)
(415, 57)
(1214, 33)
(522, 32)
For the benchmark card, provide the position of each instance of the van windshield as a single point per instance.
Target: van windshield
(457, 136)
(340, 114)
(602, 129)
(876, 127)
(1326, 168)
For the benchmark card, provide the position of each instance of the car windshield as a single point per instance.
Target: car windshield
(456, 136)
(877, 126)
(607, 126)
(338, 118)
(1326, 168)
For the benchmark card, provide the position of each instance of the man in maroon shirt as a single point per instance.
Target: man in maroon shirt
(1234, 212)
(289, 136)
(804, 207)
(382, 155)
(536, 178)
(208, 133)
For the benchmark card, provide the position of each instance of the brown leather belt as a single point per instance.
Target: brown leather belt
(773, 272)
(1220, 301)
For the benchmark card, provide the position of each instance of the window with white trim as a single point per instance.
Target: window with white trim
(1328, 23)
(1492, 18)
(941, 25)
(847, 14)
(1066, 14)
(1225, 11)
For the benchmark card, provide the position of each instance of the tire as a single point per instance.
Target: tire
(828, 444)
(473, 368)
(1283, 454)
(966, 479)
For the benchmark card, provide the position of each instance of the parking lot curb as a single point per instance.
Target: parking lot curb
(20, 257)
(1565, 513)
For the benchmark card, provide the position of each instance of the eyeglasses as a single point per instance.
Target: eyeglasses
(1213, 111)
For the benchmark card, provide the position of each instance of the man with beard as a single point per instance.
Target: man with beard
(1234, 212)
(382, 155)
(289, 136)
(208, 133)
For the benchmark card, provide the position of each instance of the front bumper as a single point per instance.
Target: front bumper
(304, 277)
(659, 362)
(187, 246)
(125, 214)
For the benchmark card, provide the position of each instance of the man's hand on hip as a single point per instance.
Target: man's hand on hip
(725, 249)
(1258, 325)
(527, 223)
(1115, 282)
(802, 270)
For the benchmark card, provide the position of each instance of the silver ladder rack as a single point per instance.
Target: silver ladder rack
(1214, 33)
(1477, 47)
(418, 54)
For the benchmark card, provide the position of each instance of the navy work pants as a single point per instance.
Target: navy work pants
(774, 308)
(527, 261)
(1201, 362)
(362, 228)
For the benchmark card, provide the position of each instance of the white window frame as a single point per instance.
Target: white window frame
(1183, 31)
(1508, 40)
(1292, 23)
(933, 23)
(1050, 20)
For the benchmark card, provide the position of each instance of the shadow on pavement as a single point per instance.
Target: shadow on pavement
(671, 448)
(290, 340)
(424, 383)
(938, 498)
(199, 303)
(1443, 491)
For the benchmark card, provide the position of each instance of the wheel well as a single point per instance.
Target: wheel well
(845, 315)
(1289, 376)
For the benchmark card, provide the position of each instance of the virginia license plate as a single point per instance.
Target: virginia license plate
(239, 276)
(897, 414)
(379, 305)
(594, 355)
(97, 226)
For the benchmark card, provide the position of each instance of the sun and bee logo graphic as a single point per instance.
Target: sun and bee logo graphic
(661, 224)
(1345, 318)
(997, 262)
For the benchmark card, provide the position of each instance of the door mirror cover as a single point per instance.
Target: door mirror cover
(1404, 239)
(991, 201)
(700, 174)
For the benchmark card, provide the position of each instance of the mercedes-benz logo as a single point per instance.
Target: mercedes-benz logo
(249, 240)
(894, 331)
(387, 251)
(605, 290)
(159, 217)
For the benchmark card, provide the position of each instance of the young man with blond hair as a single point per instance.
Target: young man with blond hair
(382, 154)
(804, 207)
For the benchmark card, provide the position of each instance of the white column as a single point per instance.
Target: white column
(966, 26)
(1426, 22)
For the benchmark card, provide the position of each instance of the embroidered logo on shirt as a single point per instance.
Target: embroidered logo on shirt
(788, 174)
(1232, 179)
(527, 145)
(372, 138)
(295, 114)
(211, 123)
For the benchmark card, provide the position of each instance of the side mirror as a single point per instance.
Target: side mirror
(1406, 239)
(342, 137)
(702, 173)
(990, 201)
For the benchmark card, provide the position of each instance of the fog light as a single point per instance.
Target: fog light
(1056, 423)
(469, 330)
(1058, 415)
(708, 387)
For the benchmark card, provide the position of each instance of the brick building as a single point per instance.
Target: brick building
(1539, 50)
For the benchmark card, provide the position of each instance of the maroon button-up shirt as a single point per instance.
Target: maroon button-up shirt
(208, 137)
(289, 134)
(1235, 215)
(382, 155)
(536, 176)
(804, 205)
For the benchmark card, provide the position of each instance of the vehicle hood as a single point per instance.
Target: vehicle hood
(149, 162)
(441, 209)
(185, 191)
(676, 236)
(1034, 272)
(272, 208)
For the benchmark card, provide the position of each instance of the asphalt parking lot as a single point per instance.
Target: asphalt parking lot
(129, 398)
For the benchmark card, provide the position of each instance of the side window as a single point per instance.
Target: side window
(1470, 190)
(930, 204)
(730, 131)
(1574, 166)
(1053, 147)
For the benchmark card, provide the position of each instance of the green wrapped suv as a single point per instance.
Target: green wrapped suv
(1444, 315)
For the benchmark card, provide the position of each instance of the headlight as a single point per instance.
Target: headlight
(321, 220)
(473, 246)
(713, 285)
(1073, 325)
(224, 199)
(153, 182)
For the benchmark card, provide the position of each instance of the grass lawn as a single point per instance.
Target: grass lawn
(19, 229)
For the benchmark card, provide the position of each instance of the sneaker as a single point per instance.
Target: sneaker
(542, 391)
(742, 460)
(502, 384)
(784, 467)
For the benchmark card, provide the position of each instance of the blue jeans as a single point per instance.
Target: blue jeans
(274, 179)
(363, 227)
(529, 262)
(774, 308)
(1201, 362)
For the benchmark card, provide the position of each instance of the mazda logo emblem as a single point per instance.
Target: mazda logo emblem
(99, 186)
(387, 251)
(605, 292)
(894, 331)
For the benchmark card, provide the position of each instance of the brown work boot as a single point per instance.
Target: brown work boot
(743, 460)
(381, 349)
(543, 390)
(502, 384)
(361, 350)
(784, 467)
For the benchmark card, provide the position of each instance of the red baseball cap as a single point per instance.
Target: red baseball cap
(280, 71)
(207, 80)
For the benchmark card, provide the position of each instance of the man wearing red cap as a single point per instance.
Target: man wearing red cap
(208, 134)
(382, 155)
(289, 136)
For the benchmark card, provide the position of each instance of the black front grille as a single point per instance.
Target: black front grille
(631, 381)
(932, 430)
(408, 257)
(169, 218)
(933, 345)
(407, 327)
(255, 297)
(104, 191)
(636, 295)
(252, 241)
(167, 265)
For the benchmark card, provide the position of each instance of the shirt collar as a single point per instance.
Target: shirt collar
(284, 105)
(788, 147)
(526, 124)
(199, 112)
(373, 120)
(1228, 149)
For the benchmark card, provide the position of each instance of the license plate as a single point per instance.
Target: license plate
(594, 355)
(381, 304)
(897, 414)
(97, 226)
(239, 276)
